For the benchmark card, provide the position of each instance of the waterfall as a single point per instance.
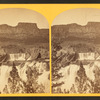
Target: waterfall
(4, 75)
(86, 56)
(43, 79)
(17, 57)
(69, 74)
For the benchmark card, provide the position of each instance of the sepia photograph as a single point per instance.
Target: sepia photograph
(76, 51)
(24, 52)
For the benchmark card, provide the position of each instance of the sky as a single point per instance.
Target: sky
(12, 16)
(80, 16)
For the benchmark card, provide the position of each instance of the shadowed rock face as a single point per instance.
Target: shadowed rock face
(23, 32)
(74, 31)
(21, 29)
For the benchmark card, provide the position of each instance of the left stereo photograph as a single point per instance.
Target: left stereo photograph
(24, 52)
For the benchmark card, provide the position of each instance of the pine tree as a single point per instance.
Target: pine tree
(15, 78)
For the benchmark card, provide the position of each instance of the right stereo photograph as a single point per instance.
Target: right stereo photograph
(76, 51)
